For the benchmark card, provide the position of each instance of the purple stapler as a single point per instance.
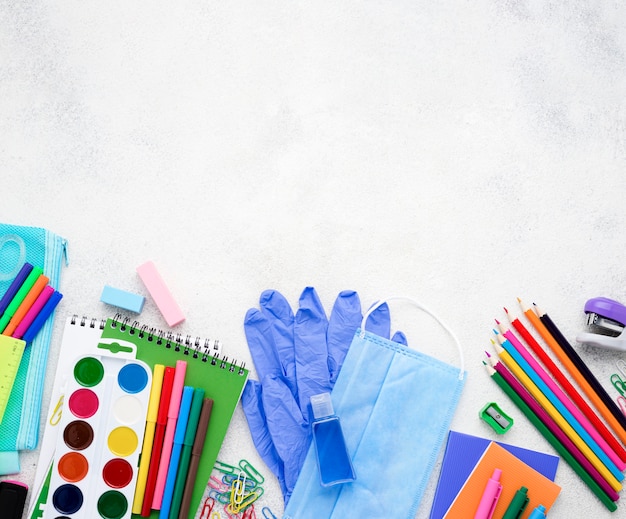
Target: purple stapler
(607, 321)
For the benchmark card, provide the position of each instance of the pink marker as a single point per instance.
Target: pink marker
(170, 429)
(490, 497)
(33, 311)
(160, 293)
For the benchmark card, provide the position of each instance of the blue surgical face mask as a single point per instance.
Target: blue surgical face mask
(395, 405)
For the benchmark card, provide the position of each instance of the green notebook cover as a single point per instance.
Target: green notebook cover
(223, 381)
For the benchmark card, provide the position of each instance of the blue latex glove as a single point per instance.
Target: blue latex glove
(296, 357)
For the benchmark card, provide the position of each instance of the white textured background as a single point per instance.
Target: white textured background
(461, 153)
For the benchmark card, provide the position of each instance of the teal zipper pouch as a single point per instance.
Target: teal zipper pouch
(19, 429)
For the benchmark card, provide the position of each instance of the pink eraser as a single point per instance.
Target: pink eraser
(160, 293)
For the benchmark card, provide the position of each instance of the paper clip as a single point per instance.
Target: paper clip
(239, 487)
(249, 513)
(228, 480)
(621, 366)
(618, 384)
(217, 484)
(247, 467)
(224, 467)
(58, 411)
(216, 515)
(621, 401)
(207, 508)
(267, 513)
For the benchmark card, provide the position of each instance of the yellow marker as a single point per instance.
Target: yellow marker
(148, 438)
(532, 388)
(11, 351)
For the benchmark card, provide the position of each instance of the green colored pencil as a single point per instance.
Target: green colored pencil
(552, 439)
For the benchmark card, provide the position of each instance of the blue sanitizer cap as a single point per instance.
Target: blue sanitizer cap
(322, 406)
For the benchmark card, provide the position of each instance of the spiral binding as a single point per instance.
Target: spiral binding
(86, 321)
(207, 350)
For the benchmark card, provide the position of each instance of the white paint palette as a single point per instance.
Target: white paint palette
(101, 432)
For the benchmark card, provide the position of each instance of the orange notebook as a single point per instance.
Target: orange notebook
(515, 474)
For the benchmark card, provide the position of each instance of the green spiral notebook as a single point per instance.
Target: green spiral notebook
(221, 379)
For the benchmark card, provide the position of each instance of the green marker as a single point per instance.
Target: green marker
(185, 454)
(19, 297)
(517, 504)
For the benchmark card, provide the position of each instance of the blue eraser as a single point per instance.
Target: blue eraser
(122, 299)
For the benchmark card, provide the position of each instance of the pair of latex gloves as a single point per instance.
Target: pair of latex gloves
(297, 356)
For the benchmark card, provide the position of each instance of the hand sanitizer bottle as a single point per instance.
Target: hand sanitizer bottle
(333, 460)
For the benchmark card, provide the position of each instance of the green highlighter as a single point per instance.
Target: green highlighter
(185, 454)
(517, 505)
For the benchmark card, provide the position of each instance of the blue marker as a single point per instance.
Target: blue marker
(177, 446)
(42, 317)
(538, 513)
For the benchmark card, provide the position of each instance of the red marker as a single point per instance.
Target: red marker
(159, 434)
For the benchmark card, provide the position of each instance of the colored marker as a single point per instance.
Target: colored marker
(196, 452)
(148, 438)
(517, 504)
(19, 297)
(36, 307)
(26, 304)
(185, 455)
(179, 437)
(170, 429)
(15, 286)
(42, 317)
(159, 432)
(538, 513)
(490, 496)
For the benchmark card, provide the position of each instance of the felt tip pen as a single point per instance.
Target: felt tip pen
(42, 317)
(33, 311)
(538, 513)
(490, 496)
(196, 453)
(179, 436)
(19, 297)
(26, 304)
(15, 286)
(148, 437)
(185, 454)
(159, 433)
(170, 429)
(517, 505)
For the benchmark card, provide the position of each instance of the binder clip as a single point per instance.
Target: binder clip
(607, 321)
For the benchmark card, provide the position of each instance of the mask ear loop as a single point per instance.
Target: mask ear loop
(425, 310)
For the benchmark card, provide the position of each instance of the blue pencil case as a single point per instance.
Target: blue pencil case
(19, 429)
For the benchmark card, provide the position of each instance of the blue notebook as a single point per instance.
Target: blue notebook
(462, 453)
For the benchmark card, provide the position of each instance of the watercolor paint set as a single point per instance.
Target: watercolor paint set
(100, 437)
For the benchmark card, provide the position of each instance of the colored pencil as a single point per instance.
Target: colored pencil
(574, 372)
(551, 432)
(557, 396)
(569, 388)
(582, 367)
(543, 401)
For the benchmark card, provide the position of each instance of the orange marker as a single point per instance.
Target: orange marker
(25, 305)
